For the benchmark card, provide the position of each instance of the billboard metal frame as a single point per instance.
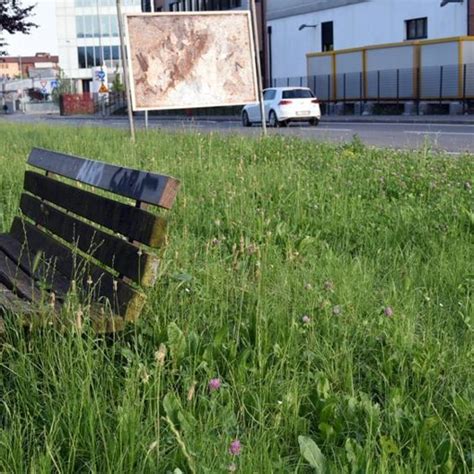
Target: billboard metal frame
(245, 13)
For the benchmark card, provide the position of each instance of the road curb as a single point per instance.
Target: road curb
(324, 120)
(351, 119)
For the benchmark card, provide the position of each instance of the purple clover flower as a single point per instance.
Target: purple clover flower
(214, 384)
(235, 447)
(388, 311)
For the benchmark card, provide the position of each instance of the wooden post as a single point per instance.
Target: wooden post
(125, 70)
(256, 42)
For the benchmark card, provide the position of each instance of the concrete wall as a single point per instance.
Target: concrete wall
(41, 108)
(356, 24)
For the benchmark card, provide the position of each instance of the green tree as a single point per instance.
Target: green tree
(14, 19)
(65, 86)
(117, 85)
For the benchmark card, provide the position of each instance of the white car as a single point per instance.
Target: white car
(284, 105)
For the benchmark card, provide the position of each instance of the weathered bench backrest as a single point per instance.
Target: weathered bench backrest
(89, 232)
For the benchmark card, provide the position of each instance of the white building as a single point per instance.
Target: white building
(88, 37)
(298, 27)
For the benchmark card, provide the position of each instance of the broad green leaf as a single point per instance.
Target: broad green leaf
(172, 407)
(177, 342)
(311, 452)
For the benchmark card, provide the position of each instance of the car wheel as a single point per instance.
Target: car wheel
(314, 122)
(245, 119)
(273, 119)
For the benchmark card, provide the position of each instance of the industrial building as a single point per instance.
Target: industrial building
(301, 27)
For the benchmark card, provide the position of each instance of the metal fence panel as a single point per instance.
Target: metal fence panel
(435, 83)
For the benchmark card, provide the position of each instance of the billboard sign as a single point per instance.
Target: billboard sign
(191, 59)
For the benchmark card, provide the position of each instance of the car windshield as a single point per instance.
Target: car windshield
(297, 94)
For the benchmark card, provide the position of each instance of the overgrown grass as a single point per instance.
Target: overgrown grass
(264, 233)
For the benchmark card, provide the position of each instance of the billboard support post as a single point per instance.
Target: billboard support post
(256, 42)
(152, 6)
(125, 71)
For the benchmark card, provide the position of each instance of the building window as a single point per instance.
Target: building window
(115, 52)
(417, 28)
(91, 26)
(107, 53)
(105, 25)
(198, 5)
(90, 56)
(104, 3)
(327, 36)
(80, 26)
(114, 30)
(81, 57)
(98, 56)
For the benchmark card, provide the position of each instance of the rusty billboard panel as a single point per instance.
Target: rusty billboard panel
(191, 59)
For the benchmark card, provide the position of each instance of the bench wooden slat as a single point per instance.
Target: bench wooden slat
(15, 279)
(39, 270)
(139, 185)
(124, 300)
(9, 302)
(127, 220)
(112, 251)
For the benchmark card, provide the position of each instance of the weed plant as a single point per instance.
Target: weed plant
(313, 313)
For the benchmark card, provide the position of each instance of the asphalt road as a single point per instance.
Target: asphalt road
(452, 138)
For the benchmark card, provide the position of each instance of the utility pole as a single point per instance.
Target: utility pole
(125, 70)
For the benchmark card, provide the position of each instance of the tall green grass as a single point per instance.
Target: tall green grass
(264, 233)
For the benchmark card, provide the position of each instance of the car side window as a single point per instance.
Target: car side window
(269, 94)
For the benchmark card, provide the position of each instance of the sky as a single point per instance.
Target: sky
(41, 39)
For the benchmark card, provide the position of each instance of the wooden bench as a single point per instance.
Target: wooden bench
(74, 244)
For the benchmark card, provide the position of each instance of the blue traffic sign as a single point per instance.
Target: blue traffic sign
(54, 84)
(100, 75)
